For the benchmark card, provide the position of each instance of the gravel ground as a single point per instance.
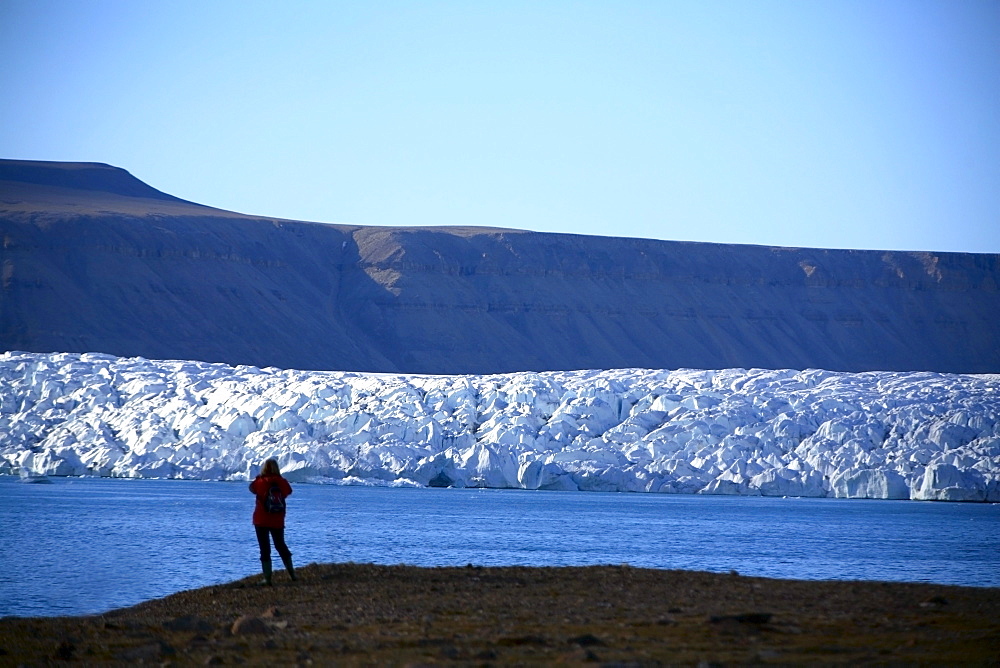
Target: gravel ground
(363, 614)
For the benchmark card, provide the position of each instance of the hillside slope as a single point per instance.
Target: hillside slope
(95, 260)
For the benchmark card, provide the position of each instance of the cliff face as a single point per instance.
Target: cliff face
(95, 260)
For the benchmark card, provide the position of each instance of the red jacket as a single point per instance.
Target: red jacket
(260, 486)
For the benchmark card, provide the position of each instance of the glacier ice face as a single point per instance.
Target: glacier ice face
(883, 435)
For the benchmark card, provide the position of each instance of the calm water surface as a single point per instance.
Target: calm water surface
(90, 545)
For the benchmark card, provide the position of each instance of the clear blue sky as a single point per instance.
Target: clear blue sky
(826, 123)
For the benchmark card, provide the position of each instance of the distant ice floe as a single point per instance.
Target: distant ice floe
(880, 435)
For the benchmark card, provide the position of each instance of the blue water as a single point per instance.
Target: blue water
(89, 545)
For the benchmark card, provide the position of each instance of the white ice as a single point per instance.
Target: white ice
(884, 435)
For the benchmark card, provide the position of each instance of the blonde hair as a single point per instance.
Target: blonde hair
(270, 467)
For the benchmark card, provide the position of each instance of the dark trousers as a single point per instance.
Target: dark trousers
(278, 536)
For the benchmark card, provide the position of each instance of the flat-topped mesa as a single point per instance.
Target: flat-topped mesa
(95, 260)
(93, 176)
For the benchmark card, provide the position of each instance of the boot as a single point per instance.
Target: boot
(266, 565)
(288, 566)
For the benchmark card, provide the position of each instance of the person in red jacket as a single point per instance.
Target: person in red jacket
(269, 517)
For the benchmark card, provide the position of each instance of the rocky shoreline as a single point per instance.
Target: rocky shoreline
(364, 614)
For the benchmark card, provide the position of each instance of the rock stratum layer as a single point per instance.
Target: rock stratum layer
(95, 260)
(884, 435)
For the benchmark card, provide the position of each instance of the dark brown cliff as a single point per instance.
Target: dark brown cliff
(95, 260)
